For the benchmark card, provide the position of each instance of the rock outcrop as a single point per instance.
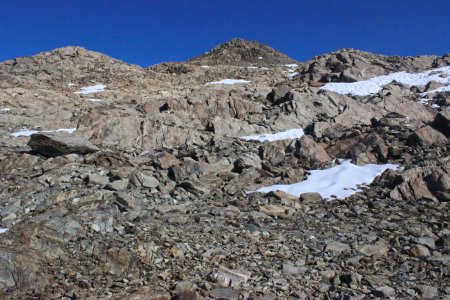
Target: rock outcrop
(153, 194)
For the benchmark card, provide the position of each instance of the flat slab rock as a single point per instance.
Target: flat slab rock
(55, 145)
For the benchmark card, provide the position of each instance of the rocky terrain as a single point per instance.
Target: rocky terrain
(123, 182)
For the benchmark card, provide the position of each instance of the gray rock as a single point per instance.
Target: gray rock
(310, 197)
(234, 278)
(427, 292)
(336, 248)
(224, 294)
(384, 292)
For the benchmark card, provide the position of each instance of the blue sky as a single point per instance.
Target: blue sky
(153, 31)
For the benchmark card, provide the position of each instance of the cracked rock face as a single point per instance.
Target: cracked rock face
(123, 182)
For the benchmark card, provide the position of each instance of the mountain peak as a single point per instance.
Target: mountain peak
(238, 51)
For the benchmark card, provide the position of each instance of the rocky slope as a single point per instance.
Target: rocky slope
(122, 182)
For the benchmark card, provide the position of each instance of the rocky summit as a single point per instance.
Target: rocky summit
(239, 174)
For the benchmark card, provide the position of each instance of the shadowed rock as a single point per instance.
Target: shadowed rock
(53, 145)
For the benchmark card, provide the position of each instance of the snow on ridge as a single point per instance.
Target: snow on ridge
(229, 81)
(374, 85)
(270, 137)
(27, 132)
(91, 89)
(341, 180)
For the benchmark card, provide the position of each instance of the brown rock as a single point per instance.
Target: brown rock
(428, 136)
(312, 152)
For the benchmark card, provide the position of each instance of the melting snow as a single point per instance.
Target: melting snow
(291, 73)
(229, 81)
(270, 137)
(373, 85)
(341, 180)
(95, 100)
(92, 89)
(71, 84)
(204, 67)
(3, 230)
(5, 109)
(27, 132)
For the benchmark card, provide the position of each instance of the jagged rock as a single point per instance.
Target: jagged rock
(242, 52)
(442, 122)
(280, 95)
(313, 153)
(420, 251)
(167, 208)
(427, 136)
(335, 248)
(224, 293)
(384, 292)
(187, 168)
(427, 292)
(233, 278)
(54, 145)
(380, 248)
(348, 65)
(166, 160)
(247, 160)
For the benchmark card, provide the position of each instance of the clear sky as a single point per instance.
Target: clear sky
(153, 31)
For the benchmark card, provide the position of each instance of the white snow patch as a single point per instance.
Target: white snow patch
(229, 81)
(27, 132)
(95, 100)
(71, 84)
(270, 137)
(291, 66)
(91, 89)
(444, 88)
(204, 67)
(341, 180)
(3, 230)
(252, 67)
(5, 109)
(373, 85)
(260, 57)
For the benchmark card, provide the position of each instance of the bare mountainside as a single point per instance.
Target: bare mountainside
(228, 176)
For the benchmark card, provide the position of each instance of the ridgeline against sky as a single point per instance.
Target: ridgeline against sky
(150, 32)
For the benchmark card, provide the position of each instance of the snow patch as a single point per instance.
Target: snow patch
(204, 67)
(292, 66)
(95, 100)
(341, 180)
(71, 84)
(91, 89)
(270, 137)
(3, 230)
(27, 132)
(228, 81)
(374, 85)
(5, 109)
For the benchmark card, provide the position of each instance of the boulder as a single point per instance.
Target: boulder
(442, 122)
(54, 145)
(428, 136)
(310, 153)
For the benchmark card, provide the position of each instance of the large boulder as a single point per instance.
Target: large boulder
(54, 145)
